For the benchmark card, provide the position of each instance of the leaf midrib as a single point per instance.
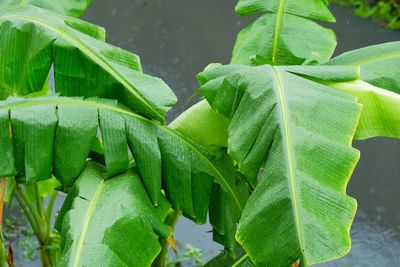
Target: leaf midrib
(219, 176)
(290, 153)
(86, 223)
(84, 48)
(278, 28)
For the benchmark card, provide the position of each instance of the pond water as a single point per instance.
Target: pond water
(176, 39)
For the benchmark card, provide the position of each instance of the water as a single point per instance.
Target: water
(176, 39)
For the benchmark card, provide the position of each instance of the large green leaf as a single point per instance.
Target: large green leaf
(60, 142)
(33, 39)
(380, 64)
(74, 8)
(381, 109)
(285, 34)
(110, 222)
(302, 131)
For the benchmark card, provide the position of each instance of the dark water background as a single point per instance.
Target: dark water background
(176, 39)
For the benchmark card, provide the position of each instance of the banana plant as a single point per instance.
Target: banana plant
(266, 155)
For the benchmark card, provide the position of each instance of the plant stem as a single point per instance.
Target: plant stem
(171, 220)
(31, 208)
(50, 206)
(38, 220)
(3, 254)
(2, 192)
(39, 201)
(25, 210)
(44, 257)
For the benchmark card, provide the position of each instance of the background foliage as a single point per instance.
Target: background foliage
(385, 11)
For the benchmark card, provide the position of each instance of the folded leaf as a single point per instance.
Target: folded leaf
(76, 130)
(210, 129)
(33, 136)
(33, 39)
(203, 125)
(110, 222)
(302, 131)
(285, 34)
(114, 140)
(381, 109)
(380, 64)
(223, 213)
(164, 158)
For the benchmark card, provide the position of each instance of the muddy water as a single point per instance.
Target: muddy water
(176, 39)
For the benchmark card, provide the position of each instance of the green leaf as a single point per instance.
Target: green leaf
(76, 131)
(381, 109)
(165, 159)
(114, 141)
(285, 34)
(208, 128)
(223, 213)
(33, 39)
(203, 125)
(110, 222)
(34, 130)
(302, 131)
(380, 64)
(74, 8)
(325, 73)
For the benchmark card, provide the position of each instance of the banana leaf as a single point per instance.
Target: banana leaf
(300, 132)
(380, 64)
(285, 34)
(110, 222)
(34, 39)
(381, 109)
(203, 125)
(56, 135)
(378, 91)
